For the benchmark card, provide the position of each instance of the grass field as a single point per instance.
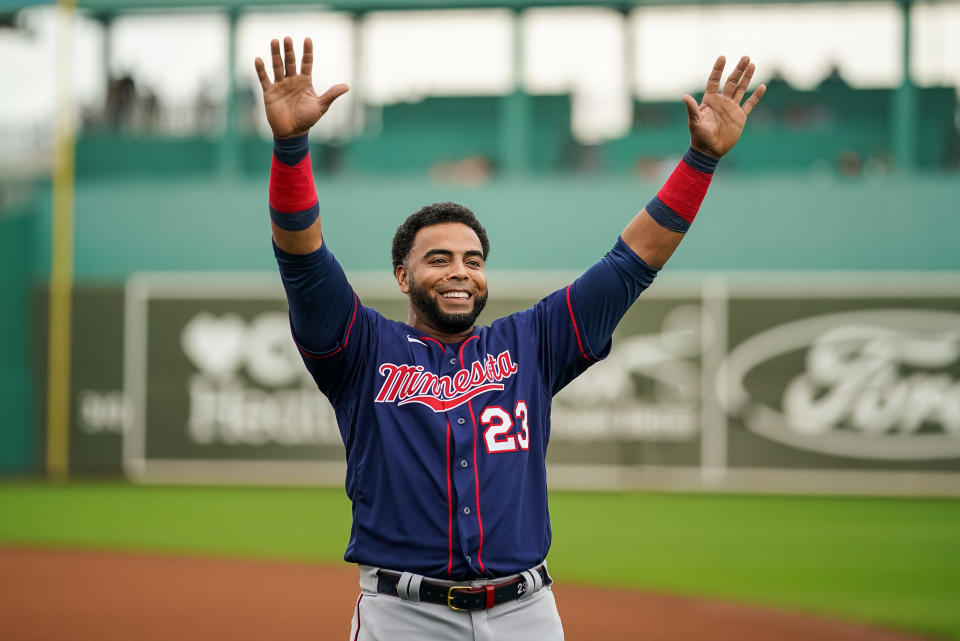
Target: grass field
(893, 562)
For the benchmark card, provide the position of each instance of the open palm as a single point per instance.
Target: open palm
(291, 104)
(717, 122)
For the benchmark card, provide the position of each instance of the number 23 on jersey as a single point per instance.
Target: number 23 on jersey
(498, 424)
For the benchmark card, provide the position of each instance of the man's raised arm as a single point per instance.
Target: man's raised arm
(715, 127)
(292, 108)
(320, 298)
(604, 293)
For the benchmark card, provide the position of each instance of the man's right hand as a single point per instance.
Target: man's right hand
(291, 104)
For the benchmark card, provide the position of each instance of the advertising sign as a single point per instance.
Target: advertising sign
(712, 382)
(219, 389)
(856, 383)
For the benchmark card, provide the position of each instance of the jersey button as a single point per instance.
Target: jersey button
(466, 509)
(463, 462)
(461, 420)
(453, 361)
(469, 559)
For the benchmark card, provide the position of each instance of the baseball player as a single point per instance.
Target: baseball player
(446, 424)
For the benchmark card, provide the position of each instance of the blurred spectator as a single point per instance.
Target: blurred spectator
(849, 164)
(248, 108)
(150, 108)
(879, 163)
(777, 82)
(205, 110)
(121, 94)
(951, 155)
(834, 79)
(471, 172)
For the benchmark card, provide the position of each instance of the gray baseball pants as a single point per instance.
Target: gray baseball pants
(383, 617)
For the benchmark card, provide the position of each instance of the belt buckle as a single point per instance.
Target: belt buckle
(450, 597)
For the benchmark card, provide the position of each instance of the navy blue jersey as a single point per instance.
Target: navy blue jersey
(446, 443)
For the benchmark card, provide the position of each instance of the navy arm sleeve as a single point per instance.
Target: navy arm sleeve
(604, 293)
(321, 300)
(576, 323)
(331, 329)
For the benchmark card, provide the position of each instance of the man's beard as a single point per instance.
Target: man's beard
(439, 319)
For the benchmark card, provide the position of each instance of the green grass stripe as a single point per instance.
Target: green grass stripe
(890, 561)
(267, 523)
(894, 562)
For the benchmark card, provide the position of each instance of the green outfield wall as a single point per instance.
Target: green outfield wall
(17, 220)
(548, 223)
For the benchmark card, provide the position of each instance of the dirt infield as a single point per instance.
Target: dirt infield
(67, 595)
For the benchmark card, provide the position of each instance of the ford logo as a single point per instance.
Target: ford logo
(877, 384)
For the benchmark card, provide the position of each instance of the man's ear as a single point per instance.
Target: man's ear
(403, 278)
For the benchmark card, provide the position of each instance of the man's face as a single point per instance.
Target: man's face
(444, 276)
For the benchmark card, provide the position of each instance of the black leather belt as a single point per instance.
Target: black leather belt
(463, 597)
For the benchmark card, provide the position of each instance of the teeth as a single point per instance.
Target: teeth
(455, 295)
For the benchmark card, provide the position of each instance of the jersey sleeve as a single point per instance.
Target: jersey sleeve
(329, 325)
(576, 323)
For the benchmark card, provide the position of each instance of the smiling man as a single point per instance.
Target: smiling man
(439, 254)
(446, 424)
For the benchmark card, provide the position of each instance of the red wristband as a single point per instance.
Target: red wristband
(685, 190)
(291, 187)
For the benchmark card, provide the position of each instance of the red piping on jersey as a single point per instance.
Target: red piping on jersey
(357, 634)
(427, 338)
(573, 320)
(345, 338)
(449, 509)
(449, 495)
(476, 475)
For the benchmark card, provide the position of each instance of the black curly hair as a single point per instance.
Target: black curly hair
(434, 215)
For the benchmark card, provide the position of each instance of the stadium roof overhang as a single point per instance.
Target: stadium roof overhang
(363, 6)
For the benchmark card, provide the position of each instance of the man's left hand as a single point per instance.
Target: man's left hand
(717, 122)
